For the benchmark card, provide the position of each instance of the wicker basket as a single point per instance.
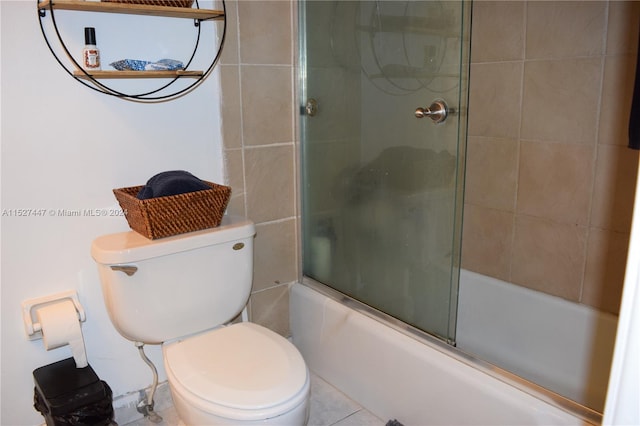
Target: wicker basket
(176, 214)
(172, 3)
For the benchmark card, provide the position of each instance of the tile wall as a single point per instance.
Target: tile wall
(257, 78)
(550, 182)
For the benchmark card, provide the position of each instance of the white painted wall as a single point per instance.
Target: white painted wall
(65, 146)
(622, 407)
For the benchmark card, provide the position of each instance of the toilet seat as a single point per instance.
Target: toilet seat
(243, 371)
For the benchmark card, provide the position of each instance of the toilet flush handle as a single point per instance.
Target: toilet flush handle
(127, 269)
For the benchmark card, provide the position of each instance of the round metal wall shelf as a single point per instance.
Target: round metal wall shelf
(95, 79)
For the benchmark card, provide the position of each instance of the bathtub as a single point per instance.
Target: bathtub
(397, 373)
(563, 346)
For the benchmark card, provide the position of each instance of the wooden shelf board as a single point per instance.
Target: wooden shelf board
(137, 74)
(132, 9)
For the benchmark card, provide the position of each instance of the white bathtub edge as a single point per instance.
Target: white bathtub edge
(395, 376)
(564, 346)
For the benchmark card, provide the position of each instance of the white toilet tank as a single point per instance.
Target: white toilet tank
(158, 290)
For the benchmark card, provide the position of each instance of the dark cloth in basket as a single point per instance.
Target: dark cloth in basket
(171, 183)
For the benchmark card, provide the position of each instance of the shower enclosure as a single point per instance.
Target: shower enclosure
(383, 105)
(384, 92)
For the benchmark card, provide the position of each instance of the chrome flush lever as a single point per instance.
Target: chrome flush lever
(127, 269)
(437, 111)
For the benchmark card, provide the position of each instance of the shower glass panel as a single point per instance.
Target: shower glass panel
(382, 188)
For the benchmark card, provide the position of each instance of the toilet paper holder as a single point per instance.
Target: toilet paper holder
(30, 308)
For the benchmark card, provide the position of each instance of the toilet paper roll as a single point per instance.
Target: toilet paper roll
(60, 327)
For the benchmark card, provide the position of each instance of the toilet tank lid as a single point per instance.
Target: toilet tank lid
(130, 246)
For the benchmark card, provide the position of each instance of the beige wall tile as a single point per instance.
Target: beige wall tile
(234, 171)
(604, 272)
(617, 92)
(622, 31)
(230, 54)
(497, 33)
(257, 108)
(270, 182)
(267, 104)
(560, 100)
(492, 171)
(494, 99)
(275, 260)
(562, 29)
(487, 236)
(231, 106)
(265, 32)
(555, 181)
(614, 189)
(572, 94)
(270, 308)
(237, 206)
(549, 256)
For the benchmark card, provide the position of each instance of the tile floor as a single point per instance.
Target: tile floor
(329, 407)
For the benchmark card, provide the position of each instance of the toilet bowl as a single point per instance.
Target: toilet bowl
(240, 374)
(182, 292)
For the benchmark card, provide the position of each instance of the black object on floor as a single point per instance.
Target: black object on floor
(393, 422)
(70, 396)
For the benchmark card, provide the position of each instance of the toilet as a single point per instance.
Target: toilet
(182, 292)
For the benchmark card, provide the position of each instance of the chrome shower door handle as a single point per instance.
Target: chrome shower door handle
(437, 111)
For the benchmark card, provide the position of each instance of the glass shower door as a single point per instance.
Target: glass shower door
(384, 88)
